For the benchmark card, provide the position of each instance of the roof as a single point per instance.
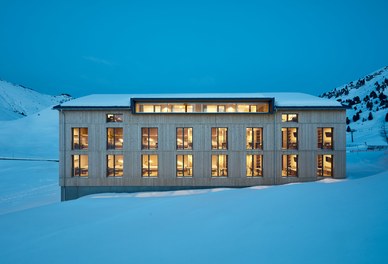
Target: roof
(282, 100)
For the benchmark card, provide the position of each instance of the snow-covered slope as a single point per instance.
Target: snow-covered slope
(17, 101)
(368, 107)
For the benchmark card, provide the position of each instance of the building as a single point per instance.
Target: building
(128, 143)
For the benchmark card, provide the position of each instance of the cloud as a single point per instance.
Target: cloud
(97, 60)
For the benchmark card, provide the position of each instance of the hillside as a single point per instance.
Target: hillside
(368, 107)
(17, 101)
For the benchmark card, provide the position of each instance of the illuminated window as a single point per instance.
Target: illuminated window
(114, 118)
(184, 138)
(289, 165)
(219, 138)
(254, 165)
(290, 138)
(149, 138)
(115, 138)
(219, 165)
(80, 165)
(325, 165)
(325, 137)
(184, 165)
(149, 165)
(254, 138)
(80, 138)
(289, 117)
(115, 165)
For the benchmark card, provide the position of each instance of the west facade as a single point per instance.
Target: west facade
(130, 143)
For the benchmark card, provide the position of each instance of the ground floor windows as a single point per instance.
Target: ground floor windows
(80, 165)
(184, 165)
(219, 165)
(149, 165)
(254, 165)
(115, 165)
(325, 165)
(289, 165)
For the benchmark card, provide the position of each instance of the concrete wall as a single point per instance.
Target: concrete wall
(95, 121)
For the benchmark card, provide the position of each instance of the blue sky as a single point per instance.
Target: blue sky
(84, 47)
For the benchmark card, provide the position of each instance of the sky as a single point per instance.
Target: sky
(175, 46)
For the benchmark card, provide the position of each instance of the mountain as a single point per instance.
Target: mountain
(367, 101)
(17, 101)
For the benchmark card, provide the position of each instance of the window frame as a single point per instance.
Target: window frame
(288, 168)
(115, 174)
(252, 158)
(321, 142)
(148, 168)
(113, 146)
(321, 170)
(148, 138)
(217, 166)
(73, 144)
(226, 142)
(189, 143)
(185, 168)
(252, 140)
(80, 168)
(289, 143)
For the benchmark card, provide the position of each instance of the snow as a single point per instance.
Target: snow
(17, 101)
(123, 100)
(329, 221)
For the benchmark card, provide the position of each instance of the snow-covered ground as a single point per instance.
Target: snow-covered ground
(341, 222)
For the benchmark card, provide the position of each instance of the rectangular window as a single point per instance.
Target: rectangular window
(149, 165)
(254, 165)
(325, 137)
(80, 138)
(184, 165)
(149, 138)
(114, 138)
(219, 165)
(184, 138)
(325, 165)
(289, 117)
(112, 118)
(254, 138)
(289, 165)
(219, 138)
(115, 165)
(290, 138)
(80, 165)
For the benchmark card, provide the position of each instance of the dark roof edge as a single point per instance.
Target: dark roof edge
(331, 107)
(60, 107)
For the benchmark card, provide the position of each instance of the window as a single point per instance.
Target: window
(80, 165)
(184, 138)
(325, 165)
(149, 138)
(290, 138)
(114, 138)
(325, 137)
(219, 138)
(80, 138)
(115, 165)
(184, 165)
(254, 138)
(219, 165)
(254, 165)
(149, 165)
(289, 117)
(289, 165)
(114, 118)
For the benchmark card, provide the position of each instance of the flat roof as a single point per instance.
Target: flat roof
(282, 100)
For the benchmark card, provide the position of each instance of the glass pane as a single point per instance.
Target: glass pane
(119, 138)
(153, 138)
(214, 138)
(153, 165)
(214, 165)
(249, 168)
(119, 165)
(179, 138)
(84, 165)
(76, 138)
(179, 165)
(144, 165)
(223, 165)
(144, 138)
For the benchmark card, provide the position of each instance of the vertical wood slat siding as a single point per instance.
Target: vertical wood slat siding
(309, 121)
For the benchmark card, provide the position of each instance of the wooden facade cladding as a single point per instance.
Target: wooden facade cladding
(95, 120)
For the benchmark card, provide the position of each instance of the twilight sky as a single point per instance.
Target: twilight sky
(84, 47)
